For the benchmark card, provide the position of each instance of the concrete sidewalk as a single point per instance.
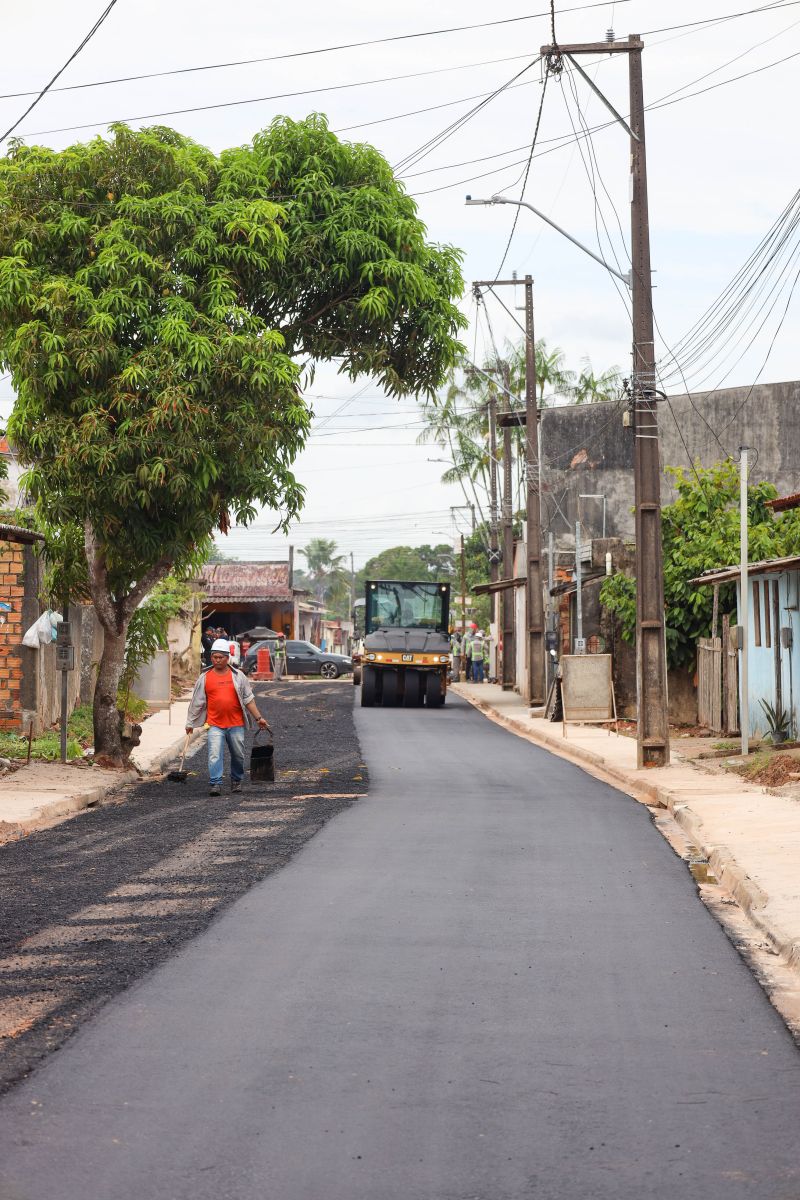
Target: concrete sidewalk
(45, 793)
(750, 838)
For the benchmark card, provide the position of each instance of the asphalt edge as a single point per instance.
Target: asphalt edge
(732, 877)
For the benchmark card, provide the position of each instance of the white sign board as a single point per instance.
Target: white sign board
(587, 690)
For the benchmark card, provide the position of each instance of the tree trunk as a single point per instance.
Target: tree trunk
(107, 719)
(111, 747)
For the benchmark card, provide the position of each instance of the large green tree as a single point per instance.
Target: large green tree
(156, 302)
(700, 531)
(414, 563)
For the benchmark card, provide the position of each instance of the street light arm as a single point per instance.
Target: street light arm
(626, 278)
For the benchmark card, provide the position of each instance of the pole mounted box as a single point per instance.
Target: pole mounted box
(65, 657)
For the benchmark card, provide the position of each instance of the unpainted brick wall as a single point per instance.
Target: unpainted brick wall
(12, 590)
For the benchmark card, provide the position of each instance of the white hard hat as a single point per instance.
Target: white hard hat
(220, 646)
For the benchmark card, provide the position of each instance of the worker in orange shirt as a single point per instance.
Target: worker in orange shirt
(223, 698)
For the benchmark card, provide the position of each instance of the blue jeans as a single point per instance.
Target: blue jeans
(216, 748)
(477, 670)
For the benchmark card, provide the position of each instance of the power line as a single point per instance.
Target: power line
(527, 173)
(217, 66)
(444, 135)
(731, 61)
(592, 170)
(334, 87)
(71, 58)
(247, 62)
(723, 323)
(564, 140)
(719, 20)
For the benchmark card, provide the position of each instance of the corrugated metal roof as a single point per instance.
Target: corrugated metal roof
(782, 503)
(18, 533)
(249, 582)
(767, 566)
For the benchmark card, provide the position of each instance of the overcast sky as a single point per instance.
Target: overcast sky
(721, 168)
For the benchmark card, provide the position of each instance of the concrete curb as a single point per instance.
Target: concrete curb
(646, 793)
(751, 898)
(65, 806)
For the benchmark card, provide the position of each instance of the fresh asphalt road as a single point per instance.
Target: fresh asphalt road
(491, 978)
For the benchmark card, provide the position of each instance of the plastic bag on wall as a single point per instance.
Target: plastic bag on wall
(43, 631)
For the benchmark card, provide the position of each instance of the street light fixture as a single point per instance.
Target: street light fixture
(626, 278)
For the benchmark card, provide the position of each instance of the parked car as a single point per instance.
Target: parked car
(303, 658)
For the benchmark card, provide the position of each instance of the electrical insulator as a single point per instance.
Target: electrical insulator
(609, 35)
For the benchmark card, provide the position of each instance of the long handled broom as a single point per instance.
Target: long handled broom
(180, 776)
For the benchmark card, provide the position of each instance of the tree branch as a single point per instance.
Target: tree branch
(150, 578)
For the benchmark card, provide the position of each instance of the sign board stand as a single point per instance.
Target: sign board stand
(587, 691)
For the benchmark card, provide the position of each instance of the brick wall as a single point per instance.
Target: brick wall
(12, 590)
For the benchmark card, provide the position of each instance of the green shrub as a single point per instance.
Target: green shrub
(45, 748)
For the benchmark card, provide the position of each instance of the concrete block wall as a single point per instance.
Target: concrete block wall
(587, 452)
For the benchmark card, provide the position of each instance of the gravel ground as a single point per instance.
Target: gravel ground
(89, 906)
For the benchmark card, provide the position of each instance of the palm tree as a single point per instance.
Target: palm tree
(325, 567)
(458, 422)
(594, 389)
(551, 373)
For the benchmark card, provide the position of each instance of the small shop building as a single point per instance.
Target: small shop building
(238, 596)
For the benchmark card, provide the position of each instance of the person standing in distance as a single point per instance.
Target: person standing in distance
(224, 699)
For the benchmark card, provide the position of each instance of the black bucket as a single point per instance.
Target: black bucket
(262, 759)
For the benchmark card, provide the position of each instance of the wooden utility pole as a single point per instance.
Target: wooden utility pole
(494, 553)
(536, 648)
(651, 651)
(509, 653)
(530, 419)
(463, 595)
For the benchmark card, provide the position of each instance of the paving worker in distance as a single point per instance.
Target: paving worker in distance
(477, 657)
(224, 699)
(487, 657)
(280, 657)
(466, 654)
(455, 650)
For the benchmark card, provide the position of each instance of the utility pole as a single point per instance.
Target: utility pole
(530, 419)
(352, 590)
(651, 651)
(509, 653)
(535, 607)
(463, 594)
(744, 603)
(578, 648)
(550, 615)
(494, 553)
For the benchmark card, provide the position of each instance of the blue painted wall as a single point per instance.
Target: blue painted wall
(761, 659)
